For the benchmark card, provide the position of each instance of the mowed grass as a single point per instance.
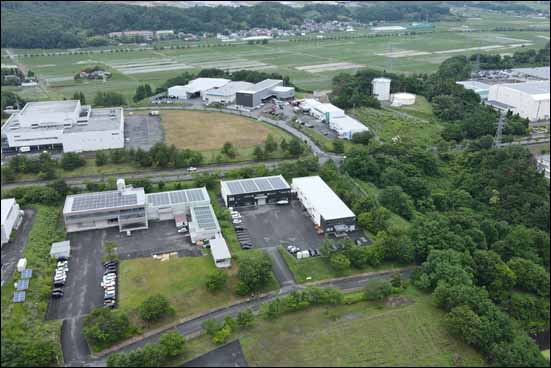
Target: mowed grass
(361, 334)
(182, 280)
(207, 131)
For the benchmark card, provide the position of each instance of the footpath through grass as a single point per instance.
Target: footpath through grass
(412, 333)
(24, 328)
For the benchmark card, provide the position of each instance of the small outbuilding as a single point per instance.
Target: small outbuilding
(61, 249)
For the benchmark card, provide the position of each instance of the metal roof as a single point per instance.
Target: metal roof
(263, 85)
(204, 218)
(474, 85)
(104, 200)
(255, 185)
(219, 248)
(178, 196)
(537, 90)
(62, 248)
(540, 72)
(322, 198)
(229, 89)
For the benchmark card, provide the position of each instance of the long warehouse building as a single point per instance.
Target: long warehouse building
(530, 99)
(328, 212)
(255, 191)
(65, 125)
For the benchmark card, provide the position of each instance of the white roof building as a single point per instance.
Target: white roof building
(326, 209)
(196, 86)
(11, 215)
(346, 127)
(64, 124)
(530, 99)
(220, 251)
(226, 93)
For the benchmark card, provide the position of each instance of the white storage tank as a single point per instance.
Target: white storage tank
(381, 88)
(403, 99)
(22, 264)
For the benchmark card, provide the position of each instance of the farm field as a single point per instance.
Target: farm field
(208, 131)
(412, 333)
(310, 64)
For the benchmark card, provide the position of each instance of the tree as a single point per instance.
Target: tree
(245, 318)
(283, 145)
(362, 137)
(377, 289)
(465, 323)
(80, 96)
(217, 281)
(530, 276)
(259, 154)
(254, 272)
(173, 343)
(154, 308)
(101, 158)
(338, 146)
(397, 201)
(212, 326)
(222, 335)
(270, 145)
(295, 148)
(108, 99)
(140, 94)
(104, 326)
(229, 150)
(339, 262)
(71, 161)
(396, 280)
(520, 352)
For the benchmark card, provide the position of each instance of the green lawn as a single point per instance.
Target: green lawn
(181, 279)
(23, 322)
(361, 334)
(317, 268)
(546, 354)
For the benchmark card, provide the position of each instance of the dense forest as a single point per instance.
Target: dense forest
(529, 57)
(66, 24)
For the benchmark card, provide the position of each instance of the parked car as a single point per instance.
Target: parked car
(237, 221)
(183, 230)
(246, 246)
(57, 294)
(316, 252)
(282, 202)
(191, 169)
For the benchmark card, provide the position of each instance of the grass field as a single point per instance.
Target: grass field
(317, 268)
(361, 334)
(56, 71)
(180, 279)
(208, 131)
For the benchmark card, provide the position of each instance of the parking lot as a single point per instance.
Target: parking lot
(142, 131)
(272, 225)
(82, 291)
(13, 250)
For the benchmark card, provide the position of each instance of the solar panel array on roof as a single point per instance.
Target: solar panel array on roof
(19, 296)
(22, 285)
(195, 195)
(256, 185)
(159, 199)
(178, 196)
(27, 274)
(103, 200)
(205, 218)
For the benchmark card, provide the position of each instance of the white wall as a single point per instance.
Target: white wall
(10, 222)
(37, 137)
(522, 102)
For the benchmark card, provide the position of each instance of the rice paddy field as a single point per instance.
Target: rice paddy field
(311, 64)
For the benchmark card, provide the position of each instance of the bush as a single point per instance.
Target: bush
(173, 343)
(245, 318)
(222, 335)
(212, 326)
(104, 327)
(254, 272)
(71, 161)
(217, 281)
(154, 308)
(378, 289)
(339, 262)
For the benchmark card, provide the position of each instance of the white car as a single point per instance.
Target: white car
(236, 216)
(191, 169)
(237, 221)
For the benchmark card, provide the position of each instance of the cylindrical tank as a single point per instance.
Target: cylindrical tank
(381, 88)
(121, 185)
(403, 99)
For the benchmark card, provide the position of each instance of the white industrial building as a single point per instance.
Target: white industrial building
(226, 93)
(402, 99)
(529, 99)
(12, 216)
(328, 212)
(63, 125)
(131, 209)
(344, 125)
(253, 96)
(196, 88)
(480, 88)
(381, 88)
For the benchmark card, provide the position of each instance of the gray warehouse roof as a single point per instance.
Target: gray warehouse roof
(541, 72)
(177, 197)
(263, 85)
(255, 185)
(47, 107)
(532, 88)
(100, 120)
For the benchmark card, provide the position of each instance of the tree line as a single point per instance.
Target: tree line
(66, 24)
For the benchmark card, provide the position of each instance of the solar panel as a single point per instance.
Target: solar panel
(249, 186)
(178, 197)
(263, 184)
(103, 200)
(277, 183)
(27, 274)
(159, 199)
(195, 195)
(22, 285)
(18, 296)
(235, 187)
(205, 218)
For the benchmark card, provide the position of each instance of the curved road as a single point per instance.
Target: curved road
(193, 327)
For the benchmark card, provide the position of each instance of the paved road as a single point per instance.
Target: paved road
(280, 268)
(152, 175)
(193, 327)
